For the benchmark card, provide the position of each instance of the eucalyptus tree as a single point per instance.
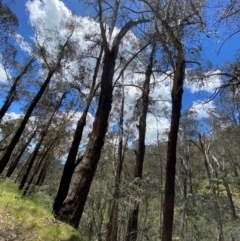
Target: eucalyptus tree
(9, 50)
(112, 226)
(14, 82)
(53, 64)
(132, 228)
(70, 164)
(72, 208)
(8, 28)
(40, 141)
(174, 21)
(20, 153)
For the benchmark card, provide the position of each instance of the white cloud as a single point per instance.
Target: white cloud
(3, 77)
(156, 128)
(12, 116)
(24, 45)
(208, 84)
(52, 12)
(202, 109)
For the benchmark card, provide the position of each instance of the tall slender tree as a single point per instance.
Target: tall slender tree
(132, 228)
(51, 71)
(171, 22)
(72, 208)
(71, 159)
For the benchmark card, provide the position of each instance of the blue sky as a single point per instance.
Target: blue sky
(191, 99)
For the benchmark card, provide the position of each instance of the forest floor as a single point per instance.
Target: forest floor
(25, 219)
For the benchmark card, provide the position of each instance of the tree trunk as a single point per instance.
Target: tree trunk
(42, 175)
(112, 234)
(37, 168)
(35, 152)
(17, 159)
(132, 228)
(71, 159)
(217, 213)
(169, 195)
(72, 208)
(31, 162)
(17, 136)
(15, 139)
(12, 92)
(230, 200)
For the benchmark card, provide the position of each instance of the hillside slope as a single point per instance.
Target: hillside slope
(24, 219)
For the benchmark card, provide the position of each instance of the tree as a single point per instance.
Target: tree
(72, 208)
(53, 68)
(112, 227)
(132, 228)
(8, 27)
(41, 138)
(12, 94)
(172, 20)
(71, 163)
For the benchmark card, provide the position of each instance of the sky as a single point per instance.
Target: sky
(53, 11)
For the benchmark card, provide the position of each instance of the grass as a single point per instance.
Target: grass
(24, 219)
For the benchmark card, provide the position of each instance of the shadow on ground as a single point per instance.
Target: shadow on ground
(74, 237)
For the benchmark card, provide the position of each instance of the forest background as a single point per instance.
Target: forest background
(91, 96)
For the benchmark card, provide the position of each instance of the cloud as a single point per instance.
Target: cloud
(208, 84)
(156, 128)
(202, 108)
(12, 116)
(3, 77)
(52, 12)
(23, 44)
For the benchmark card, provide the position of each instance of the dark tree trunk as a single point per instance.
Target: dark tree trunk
(15, 139)
(22, 169)
(113, 219)
(132, 228)
(71, 159)
(169, 195)
(230, 200)
(17, 159)
(12, 92)
(31, 161)
(37, 168)
(72, 208)
(42, 175)
(35, 152)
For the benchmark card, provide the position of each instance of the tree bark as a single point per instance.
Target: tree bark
(169, 194)
(35, 152)
(12, 92)
(15, 139)
(38, 167)
(112, 227)
(72, 208)
(17, 159)
(230, 200)
(42, 175)
(132, 228)
(71, 159)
